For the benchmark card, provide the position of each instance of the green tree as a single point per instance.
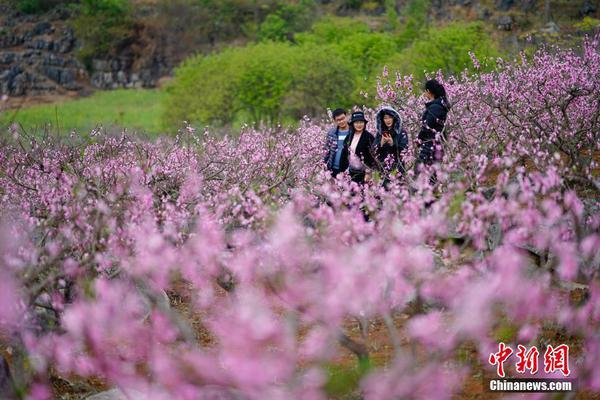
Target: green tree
(447, 49)
(415, 21)
(274, 28)
(203, 89)
(322, 79)
(270, 82)
(332, 30)
(38, 6)
(392, 23)
(101, 25)
(265, 80)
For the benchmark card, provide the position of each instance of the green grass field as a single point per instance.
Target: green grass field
(137, 110)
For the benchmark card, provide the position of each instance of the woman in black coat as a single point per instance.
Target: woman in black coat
(358, 155)
(432, 123)
(391, 141)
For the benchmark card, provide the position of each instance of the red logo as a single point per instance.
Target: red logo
(528, 360)
(555, 359)
(500, 357)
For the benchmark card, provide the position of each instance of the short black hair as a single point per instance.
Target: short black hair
(337, 112)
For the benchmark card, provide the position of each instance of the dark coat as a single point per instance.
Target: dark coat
(399, 137)
(432, 127)
(364, 150)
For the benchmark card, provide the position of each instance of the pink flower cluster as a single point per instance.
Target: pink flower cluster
(265, 260)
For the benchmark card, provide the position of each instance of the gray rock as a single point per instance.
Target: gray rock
(10, 40)
(504, 5)
(41, 28)
(551, 28)
(8, 58)
(100, 65)
(485, 14)
(40, 44)
(65, 44)
(528, 5)
(505, 22)
(116, 394)
(494, 236)
(122, 77)
(213, 392)
(6, 381)
(588, 8)
(67, 76)
(62, 76)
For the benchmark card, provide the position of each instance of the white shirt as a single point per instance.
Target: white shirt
(355, 161)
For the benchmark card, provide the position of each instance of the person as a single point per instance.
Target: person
(391, 141)
(334, 143)
(358, 154)
(433, 120)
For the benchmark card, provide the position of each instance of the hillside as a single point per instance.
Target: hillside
(68, 48)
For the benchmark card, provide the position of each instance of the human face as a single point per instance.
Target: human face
(429, 95)
(359, 126)
(341, 121)
(388, 120)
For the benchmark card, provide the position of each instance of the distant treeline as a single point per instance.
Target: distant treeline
(329, 66)
(272, 60)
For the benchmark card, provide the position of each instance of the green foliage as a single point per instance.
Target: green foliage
(368, 50)
(588, 24)
(322, 78)
(137, 110)
(265, 80)
(328, 66)
(354, 41)
(274, 28)
(391, 14)
(447, 49)
(204, 89)
(112, 8)
(277, 81)
(38, 6)
(101, 25)
(332, 30)
(415, 21)
(215, 88)
(343, 381)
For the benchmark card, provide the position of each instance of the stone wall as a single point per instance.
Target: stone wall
(38, 53)
(36, 56)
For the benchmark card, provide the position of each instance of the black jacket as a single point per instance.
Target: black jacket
(433, 120)
(364, 149)
(399, 138)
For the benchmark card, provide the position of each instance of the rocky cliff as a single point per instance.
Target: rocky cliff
(37, 53)
(37, 57)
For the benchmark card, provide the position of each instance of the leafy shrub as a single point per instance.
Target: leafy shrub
(447, 49)
(38, 6)
(331, 30)
(322, 78)
(101, 25)
(275, 28)
(203, 89)
(588, 24)
(264, 81)
(278, 80)
(415, 21)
